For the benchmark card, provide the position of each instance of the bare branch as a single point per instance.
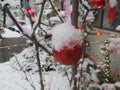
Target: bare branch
(42, 29)
(55, 10)
(20, 28)
(39, 64)
(66, 73)
(26, 77)
(39, 17)
(21, 86)
(14, 20)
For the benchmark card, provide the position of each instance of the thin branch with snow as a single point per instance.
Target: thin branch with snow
(25, 74)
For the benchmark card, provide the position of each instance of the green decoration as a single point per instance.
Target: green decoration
(25, 4)
(0, 6)
(27, 7)
(107, 64)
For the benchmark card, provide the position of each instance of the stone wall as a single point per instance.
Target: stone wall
(10, 46)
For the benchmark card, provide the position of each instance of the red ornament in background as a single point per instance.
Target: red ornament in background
(112, 10)
(80, 29)
(99, 3)
(29, 10)
(111, 13)
(68, 55)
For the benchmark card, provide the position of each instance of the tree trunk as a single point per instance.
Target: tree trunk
(74, 79)
(62, 5)
(38, 63)
(75, 14)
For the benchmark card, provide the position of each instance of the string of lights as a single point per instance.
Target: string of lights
(107, 64)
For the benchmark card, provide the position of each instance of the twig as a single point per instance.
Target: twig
(21, 86)
(15, 21)
(55, 10)
(39, 63)
(31, 79)
(26, 77)
(39, 17)
(67, 77)
(93, 58)
(42, 29)
(44, 24)
(20, 28)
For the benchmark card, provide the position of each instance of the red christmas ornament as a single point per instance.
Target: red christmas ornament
(29, 10)
(112, 10)
(118, 75)
(111, 13)
(68, 55)
(99, 3)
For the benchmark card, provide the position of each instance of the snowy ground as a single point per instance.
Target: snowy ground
(13, 78)
(10, 34)
(13, 75)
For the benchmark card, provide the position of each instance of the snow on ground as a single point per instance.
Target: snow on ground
(10, 34)
(12, 76)
(11, 2)
(10, 79)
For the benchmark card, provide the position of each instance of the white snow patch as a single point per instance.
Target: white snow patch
(114, 44)
(118, 28)
(86, 62)
(64, 34)
(27, 30)
(112, 3)
(12, 3)
(10, 34)
(106, 86)
(117, 84)
(38, 1)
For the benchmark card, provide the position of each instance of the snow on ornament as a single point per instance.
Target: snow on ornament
(66, 44)
(99, 3)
